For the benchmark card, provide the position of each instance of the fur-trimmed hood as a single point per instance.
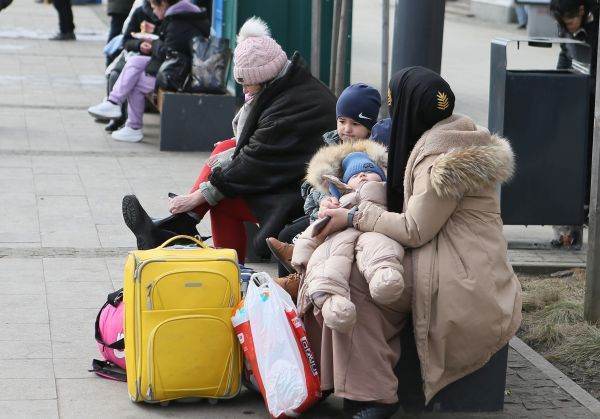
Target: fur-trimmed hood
(470, 158)
(328, 160)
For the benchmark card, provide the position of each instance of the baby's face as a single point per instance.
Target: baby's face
(358, 179)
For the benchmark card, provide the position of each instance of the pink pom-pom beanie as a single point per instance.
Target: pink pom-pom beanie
(257, 58)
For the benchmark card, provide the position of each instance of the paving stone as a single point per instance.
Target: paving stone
(73, 367)
(75, 270)
(26, 368)
(23, 309)
(110, 399)
(59, 184)
(27, 389)
(30, 349)
(68, 295)
(34, 409)
(66, 221)
(24, 332)
(113, 235)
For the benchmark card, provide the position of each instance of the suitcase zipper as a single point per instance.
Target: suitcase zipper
(137, 337)
(151, 286)
(138, 270)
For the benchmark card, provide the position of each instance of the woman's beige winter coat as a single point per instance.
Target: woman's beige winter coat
(467, 300)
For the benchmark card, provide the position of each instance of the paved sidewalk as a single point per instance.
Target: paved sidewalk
(63, 241)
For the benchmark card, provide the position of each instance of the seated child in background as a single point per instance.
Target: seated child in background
(327, 261)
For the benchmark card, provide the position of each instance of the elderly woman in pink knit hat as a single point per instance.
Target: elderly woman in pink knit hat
(256, 175)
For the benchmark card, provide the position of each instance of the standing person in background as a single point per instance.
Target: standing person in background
(118, 10)
(65, 21)
(577, 19)
(521, 15)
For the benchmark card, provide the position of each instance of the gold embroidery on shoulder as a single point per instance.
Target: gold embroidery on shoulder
(442, 101)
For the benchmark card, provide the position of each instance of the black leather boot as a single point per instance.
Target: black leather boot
(369, 410)
(183, 223)
(146, 232)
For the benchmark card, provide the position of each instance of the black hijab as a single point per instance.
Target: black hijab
(418, 99)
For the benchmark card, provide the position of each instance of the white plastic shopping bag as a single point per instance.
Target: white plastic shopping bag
(276, 348)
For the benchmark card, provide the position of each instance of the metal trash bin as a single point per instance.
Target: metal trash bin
(546, 116)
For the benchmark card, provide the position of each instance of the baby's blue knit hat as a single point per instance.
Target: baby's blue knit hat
(357, 162)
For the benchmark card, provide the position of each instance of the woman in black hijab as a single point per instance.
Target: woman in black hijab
(443, 207)
(413, 101)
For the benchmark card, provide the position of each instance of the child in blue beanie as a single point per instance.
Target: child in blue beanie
(356, 110)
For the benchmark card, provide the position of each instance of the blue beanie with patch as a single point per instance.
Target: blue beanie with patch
(360, 102)
(357, 162)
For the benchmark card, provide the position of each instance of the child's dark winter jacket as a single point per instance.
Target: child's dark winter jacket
(182, 22)
(313, 196)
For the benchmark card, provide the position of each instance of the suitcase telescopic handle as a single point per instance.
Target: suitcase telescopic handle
(200, 243)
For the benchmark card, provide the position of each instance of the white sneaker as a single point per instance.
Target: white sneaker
(105, 110)
(128, 134)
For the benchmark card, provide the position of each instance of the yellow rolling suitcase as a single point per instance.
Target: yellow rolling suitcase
(179, 341)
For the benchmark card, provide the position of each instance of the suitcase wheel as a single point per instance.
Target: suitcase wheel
(165, 403)
(213, 401)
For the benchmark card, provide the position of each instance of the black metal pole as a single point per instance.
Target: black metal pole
(418, 34)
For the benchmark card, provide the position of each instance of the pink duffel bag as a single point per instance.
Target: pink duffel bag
(110, 338)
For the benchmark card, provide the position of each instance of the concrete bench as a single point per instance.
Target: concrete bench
(194, 122)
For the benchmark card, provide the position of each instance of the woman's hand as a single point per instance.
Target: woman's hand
(212, 160)
(338, 222)
(184, 203)
(330, 202)
(146, 48)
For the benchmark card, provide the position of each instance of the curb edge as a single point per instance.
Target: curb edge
(583, 397)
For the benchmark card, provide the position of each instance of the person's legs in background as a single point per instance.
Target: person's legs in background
(128, 79)
(116, 25)
(65, 21)
(136, 101)
(130, 85)
(521, 16)
(115, 124)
